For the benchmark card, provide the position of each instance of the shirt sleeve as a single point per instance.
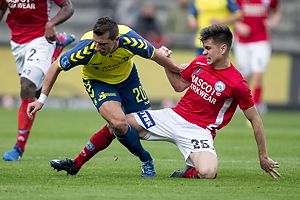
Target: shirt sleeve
(233, 6)
(187, 73)
(79, 55)
(192, 9)
(242, 94)
(137, 44)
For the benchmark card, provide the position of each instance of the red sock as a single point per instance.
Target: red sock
(191, 173)
(24, 124)
(99, 141)
(257, 95)
(56, 53)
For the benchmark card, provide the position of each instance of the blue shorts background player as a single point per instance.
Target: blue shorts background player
(112, 82)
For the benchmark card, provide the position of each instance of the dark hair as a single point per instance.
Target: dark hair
(106, 24)
(219, 33)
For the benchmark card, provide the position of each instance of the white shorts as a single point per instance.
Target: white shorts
(166, 125)
(252, 57)
(33, 59)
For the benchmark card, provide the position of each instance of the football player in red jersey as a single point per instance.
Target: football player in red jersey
(33, 42)
(214, 89)
(252, 48)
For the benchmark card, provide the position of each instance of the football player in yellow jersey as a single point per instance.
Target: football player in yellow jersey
(203, 13)
(113, 84)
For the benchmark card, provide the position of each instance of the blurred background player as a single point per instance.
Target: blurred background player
(252, 47)
(149, 26)
(33, 44)
(128, 12)
(203, 13)
(176, 28)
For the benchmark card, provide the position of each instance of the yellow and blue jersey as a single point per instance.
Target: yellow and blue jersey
(205, 10)
(113, 68)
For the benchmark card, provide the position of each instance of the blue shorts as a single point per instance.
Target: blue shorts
(130, 93)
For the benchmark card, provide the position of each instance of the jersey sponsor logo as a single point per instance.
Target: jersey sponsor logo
(96, 68)
(201, 63)
(89, 145)
(203, 89)
(254, 10)
(220, 86)
(103, 95)
(21, 4)
(146, 119)
(109, 67)
(65, 63)
(114, 66)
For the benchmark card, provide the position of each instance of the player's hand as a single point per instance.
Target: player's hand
(243, 29)
(268, 165)
(50, 33)
(164, 50)
(269, 24)
(214, 20)
(33, 107)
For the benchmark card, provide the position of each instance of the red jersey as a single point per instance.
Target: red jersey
(27, 18)
(254, 13)
(213, 96)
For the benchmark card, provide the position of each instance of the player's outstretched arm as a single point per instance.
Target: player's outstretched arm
(162, 57)
(167, 53)
(164, 50)
(177, 82)
(266, 163)
(49, 81)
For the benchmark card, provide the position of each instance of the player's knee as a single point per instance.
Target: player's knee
(119, 126)
(207, 173)
(27, 85)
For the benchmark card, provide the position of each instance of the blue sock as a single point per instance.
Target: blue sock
(131, 140)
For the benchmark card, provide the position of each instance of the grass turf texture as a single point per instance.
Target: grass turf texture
(115, 174)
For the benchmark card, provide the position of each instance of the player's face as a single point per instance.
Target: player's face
(212, 52)
(104, 45)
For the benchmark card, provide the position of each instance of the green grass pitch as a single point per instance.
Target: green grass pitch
(115, 174)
